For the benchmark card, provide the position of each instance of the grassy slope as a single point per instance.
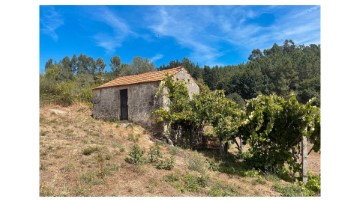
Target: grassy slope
(80, 156)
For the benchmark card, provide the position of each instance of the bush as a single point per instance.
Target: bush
(223, 189)
(196, 163)
(136, 155)
(313, 183)
(174, 151)
(154, 153)
(194, 183)
(166, 164)
(172, 178)
(88, 151)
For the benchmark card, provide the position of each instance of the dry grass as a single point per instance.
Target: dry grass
(81, 156)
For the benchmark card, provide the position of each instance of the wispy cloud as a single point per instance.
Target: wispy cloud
(177, 23)
(50, 21)
(120, 30)
(204, 30)
(156, 57)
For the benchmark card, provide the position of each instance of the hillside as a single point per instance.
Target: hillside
(81, 156)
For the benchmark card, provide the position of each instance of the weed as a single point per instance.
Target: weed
(222, 189)
(194, 183)
(250, 173)
(152, 184)
(88, 151)
(80, 191)
(293, 190)
(154, 153)
(133, 138)
(46, 191)
(139, 169)
(166, 164)
(195, 163)
(136, 155)
(58, 156)
(42, 166)
(67, 168)
(69, 133)
(101, 169)
(172, 177)
(313, 184)
(258, 180)
(91, 179)
(111, 168)
(212, 164)
(43, 133)
(174, 151)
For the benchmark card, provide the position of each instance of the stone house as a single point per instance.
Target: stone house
(133, 97)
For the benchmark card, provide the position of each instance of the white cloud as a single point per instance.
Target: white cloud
(120, 29)
(156, 57)
(50, 21)
(187, 31)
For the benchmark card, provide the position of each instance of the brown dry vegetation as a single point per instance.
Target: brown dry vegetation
(81, 156)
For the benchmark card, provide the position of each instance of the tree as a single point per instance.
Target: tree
(141, 65)
(49, 64)
(66, 72)
(100, 65)
(115, 63)
(255, 54)
(83, 64)
(74, 64)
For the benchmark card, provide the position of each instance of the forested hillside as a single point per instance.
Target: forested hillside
(280, 69)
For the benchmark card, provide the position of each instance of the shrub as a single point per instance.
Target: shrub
(313, 183)
(223, 189)
(172, 178)
(212, 165)
(91, 178)
(154, 153)
(194, 183)
(88, 151)
(136, 155)
(196, 163)
(174, 151)
(133, 137)
(166, 164)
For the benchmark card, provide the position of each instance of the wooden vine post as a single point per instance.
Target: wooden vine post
(304, 158)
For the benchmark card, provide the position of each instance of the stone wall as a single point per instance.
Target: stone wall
(183, 75)
(141, 102)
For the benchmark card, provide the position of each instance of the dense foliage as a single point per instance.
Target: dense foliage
(274, 127)
(280, 70)
(73, 79)
(207, 108)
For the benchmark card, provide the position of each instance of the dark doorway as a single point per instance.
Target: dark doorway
(124, 104)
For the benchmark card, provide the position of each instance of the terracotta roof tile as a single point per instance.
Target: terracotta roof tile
(140, 78)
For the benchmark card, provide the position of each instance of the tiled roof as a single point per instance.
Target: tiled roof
(140, 78)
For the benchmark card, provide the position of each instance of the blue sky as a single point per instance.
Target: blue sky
(207, 35)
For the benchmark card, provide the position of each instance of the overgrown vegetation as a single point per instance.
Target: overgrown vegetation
(272, 126)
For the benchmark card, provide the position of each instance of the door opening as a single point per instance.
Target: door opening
(124, 104)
